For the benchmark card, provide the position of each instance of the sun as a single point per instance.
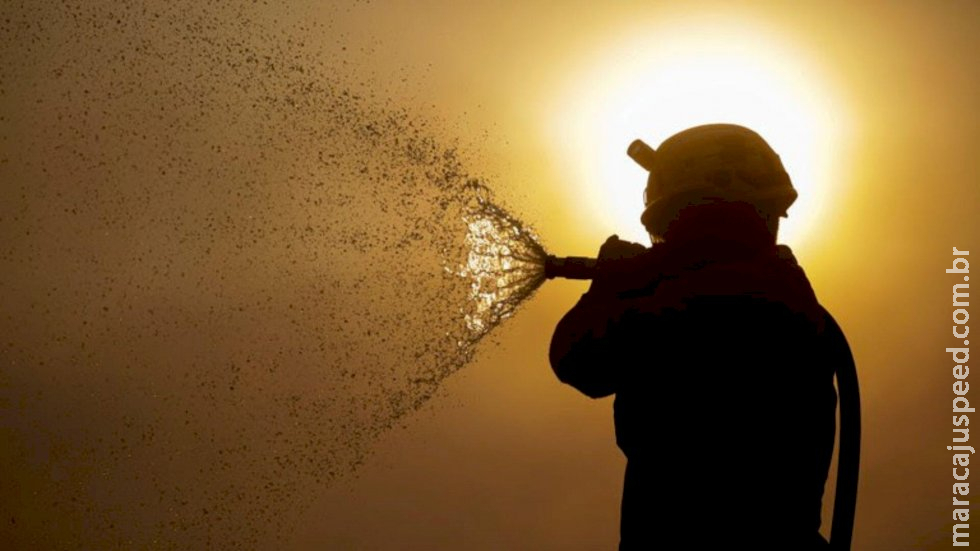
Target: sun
(650, 84)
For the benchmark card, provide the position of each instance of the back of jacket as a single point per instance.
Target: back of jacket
(722, 364)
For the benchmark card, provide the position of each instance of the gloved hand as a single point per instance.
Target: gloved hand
(615, 248)
(613, 275)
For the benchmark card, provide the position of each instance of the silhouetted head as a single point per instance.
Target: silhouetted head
(725, 165)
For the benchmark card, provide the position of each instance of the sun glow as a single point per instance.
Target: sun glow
(651, 84)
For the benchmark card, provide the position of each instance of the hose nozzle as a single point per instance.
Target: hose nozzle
(569, 267)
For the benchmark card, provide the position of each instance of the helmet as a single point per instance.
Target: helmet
(709, 164)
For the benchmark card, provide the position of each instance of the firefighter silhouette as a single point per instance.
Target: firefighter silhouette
(721, 358)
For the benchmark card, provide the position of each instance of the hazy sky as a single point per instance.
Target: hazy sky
(161, 242)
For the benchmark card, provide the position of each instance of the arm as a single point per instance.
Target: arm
(584, 348)
(583, 351)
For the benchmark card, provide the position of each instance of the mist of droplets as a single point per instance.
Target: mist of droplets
(227, 267)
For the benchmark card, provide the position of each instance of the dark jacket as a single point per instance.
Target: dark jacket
(722, 363)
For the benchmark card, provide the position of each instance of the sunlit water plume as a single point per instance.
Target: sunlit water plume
(505, 263)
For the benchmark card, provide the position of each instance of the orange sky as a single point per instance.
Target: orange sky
(504, 456)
